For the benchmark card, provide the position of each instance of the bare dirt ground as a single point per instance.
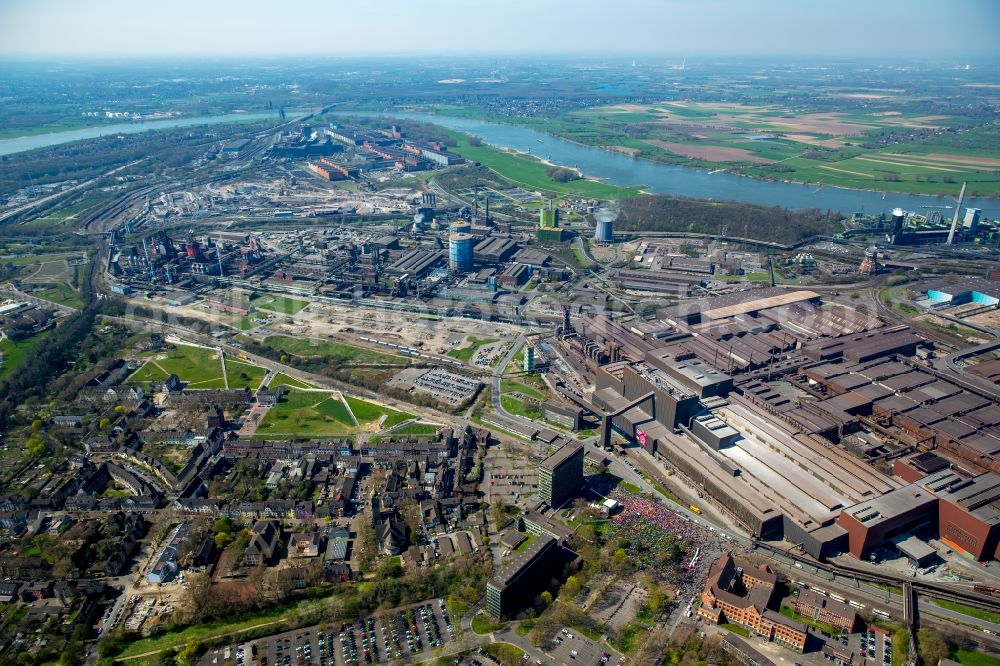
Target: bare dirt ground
(711, 153)
(436, 336)
(50, 271)
(989, 319)
(963, 159)
(819, 123)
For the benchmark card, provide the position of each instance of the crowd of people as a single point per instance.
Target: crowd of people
(663, 542)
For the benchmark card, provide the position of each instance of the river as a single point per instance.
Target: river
(618, 169)
(20, 144)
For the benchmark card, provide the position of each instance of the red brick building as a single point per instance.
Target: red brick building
(741, 593)
(823, 609)
(964, 511)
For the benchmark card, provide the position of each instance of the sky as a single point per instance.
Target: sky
(854, 28)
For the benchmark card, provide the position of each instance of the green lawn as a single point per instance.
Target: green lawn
(974, 658)
(516, 404)
(278, 303)
(15, 353)
(306, 414)
(978, 613)
(505, 653)
(484, 624)
(198, 367)
(532, 173)
(417, 430)
(245, 324)
(281, 379)
(366, 412)
(520, 407)
(339, 351)
(240, 374)
(524, 544)
(628, 637)
(62, 294)
(737, 629)
(465, 353)
(511, 386)
(177, 638)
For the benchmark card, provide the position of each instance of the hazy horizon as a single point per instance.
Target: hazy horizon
(848, 29)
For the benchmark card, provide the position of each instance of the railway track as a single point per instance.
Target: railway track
(981, 600)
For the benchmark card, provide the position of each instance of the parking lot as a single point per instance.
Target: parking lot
(405, 632)
(569, 647)
(448, 387)
(510, 479)
(874, 646)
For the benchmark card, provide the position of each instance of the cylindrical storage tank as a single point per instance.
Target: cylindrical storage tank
(461, 227)
(460, 252)
(604, 232)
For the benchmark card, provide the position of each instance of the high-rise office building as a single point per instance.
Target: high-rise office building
(561, 474)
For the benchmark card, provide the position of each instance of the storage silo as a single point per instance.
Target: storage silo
(460, 252)
(604, 232)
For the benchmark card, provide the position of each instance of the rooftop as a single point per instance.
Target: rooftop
(563, 454)
(517, 561)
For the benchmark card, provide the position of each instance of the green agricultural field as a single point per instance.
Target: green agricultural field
(337, 351)
(367, 412)
(465, 353)
(277, 303)
(240, 374)
(15, 353)
(306, 414)
(772, 142)
(197, 367)
(281, 379)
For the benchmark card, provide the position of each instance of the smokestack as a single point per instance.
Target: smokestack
(958, 208)
(487, 209)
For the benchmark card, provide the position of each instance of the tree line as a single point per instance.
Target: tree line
(740, 220)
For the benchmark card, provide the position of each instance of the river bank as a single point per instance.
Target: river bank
(707, 165)
(26, 142)
(614, 168)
